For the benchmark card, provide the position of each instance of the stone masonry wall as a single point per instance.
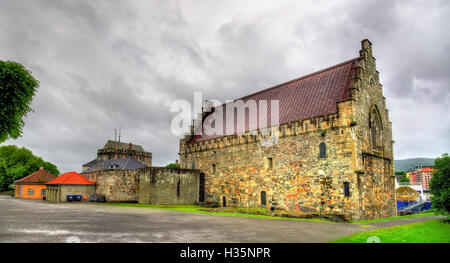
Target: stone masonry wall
(236, 167)
(57, 193)
(159, 185)
(115, 185)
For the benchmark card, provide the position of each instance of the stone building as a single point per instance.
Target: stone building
(332, 149)
(71, 183)
(116, 150)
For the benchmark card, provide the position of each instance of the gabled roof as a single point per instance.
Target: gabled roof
(122, 145)
(91, 163)
(39, 177)
(128, 163)
(306, 97)
(71, 178)
(427, 169)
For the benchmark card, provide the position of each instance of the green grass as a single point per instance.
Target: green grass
(431, 231)
(201, 210)
(394, 218)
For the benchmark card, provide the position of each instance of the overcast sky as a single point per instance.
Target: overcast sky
(110, 64)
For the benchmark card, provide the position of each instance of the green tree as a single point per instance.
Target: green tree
(16, 163)
(173, 165)
(404, 179)
(17, 88)
(440, 185)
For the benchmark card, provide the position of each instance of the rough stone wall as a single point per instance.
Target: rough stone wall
(236, 167)
(374, 163)
(115, 185)
(168, 186)
(57, 193)
(107, 154)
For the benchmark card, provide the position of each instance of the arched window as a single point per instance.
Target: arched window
(263, 198)
(322, 150)
(376, 128)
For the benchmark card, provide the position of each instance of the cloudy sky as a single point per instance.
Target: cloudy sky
(109, 64)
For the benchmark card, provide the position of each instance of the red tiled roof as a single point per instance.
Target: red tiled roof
(427, 169)
(310, 96)
(41, 176)
(71, 178)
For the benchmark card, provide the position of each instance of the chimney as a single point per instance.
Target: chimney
(176, 161)
(41, 168)
(366, 48)
(130, 146)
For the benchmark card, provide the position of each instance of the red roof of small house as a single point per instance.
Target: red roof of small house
(71, 178)
(39, 177)
(303, 98)
(427, 169)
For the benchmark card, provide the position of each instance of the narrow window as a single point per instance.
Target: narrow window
(263, 198)
(346, 189)
(214, 168)
(269, 163)
(224, 201)
(193, 165)
(178, 189)
(322, 150)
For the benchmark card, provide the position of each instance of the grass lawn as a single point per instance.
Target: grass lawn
(431, 231)
(395, 217)
(202, 210)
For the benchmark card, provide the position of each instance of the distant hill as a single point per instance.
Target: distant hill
(408, 164)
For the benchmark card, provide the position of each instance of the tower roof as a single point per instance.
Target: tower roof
(122, 145)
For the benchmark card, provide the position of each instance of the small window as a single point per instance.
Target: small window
(269, 163)
(224, 201)
(42, 191)
(263, 198)
(346, 189)
(193, 165)
(214, 168)
(30, 191)
(178, 189)
(322, 150)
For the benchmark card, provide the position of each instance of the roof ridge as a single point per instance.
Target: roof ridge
(302, 77)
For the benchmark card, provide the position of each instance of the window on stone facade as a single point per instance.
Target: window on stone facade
(322, 150)
(178, 189)
(269, 163)
(346, 189)
(263, 198)
(214, 168)
(375, 127)
(30, 191)
(193, 165)
(224, 201)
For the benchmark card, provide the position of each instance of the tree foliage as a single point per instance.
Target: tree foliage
(440, 184)
(404, 179)
(173, 165)
(16, 163)
(17, 88)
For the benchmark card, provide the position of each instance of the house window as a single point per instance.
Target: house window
(42, 191)
(30, 191)
(214, 168)
(322, 150)
(263, 198)
(346, 189)
(269, 163)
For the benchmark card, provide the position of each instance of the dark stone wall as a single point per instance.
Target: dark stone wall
(159, 185)
(115, 185)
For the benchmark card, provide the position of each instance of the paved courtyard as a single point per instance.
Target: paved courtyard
(40, 221)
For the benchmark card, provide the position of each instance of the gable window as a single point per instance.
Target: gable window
(322, 150)
(30, 191)
(375, 127)
(346, 189)
(269, 163)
